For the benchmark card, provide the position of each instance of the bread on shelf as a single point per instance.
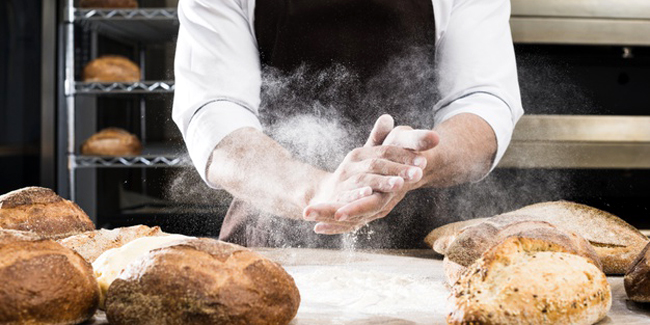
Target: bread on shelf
(111, 68)
(112, 142)
(108, 4)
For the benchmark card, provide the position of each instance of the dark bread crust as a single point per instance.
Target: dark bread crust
(108, 4)
(637, 278)
(202, 281)
(112, 142)
(42, 282)
(43, 212)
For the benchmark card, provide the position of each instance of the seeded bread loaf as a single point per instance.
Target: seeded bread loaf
(43, 212)
(530, 281)
(475, 240)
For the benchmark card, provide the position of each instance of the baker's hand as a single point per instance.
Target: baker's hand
(363, 205)
(366, 170)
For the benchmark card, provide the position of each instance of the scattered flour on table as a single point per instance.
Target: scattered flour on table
(368, 292)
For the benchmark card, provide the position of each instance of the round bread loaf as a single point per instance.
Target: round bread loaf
(202, 281)
(530, 281)
(42, 282)
(111, 68)
(42, 212)
(112, 142)
(90, 245)
(108, 4)
(637, 278)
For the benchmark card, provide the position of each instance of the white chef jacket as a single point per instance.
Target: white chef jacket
(218, 70)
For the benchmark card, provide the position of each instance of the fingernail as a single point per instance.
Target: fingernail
(365, 192)
(311, 216)
(392, 181)
(420, 162)
(424, 144)
(410, 174)
(343, 217)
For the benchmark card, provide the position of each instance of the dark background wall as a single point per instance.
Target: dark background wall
(20, 57)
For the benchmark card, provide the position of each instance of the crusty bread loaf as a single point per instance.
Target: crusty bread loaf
(473, 241)
(108, 4)
(42, 282)
(637, 278)
(93, 243)
(530, 281)
(440, 238)
(452, 270)
(43, 212)
(202, 281)
(112, 142)
(111, 68)
(616, 242)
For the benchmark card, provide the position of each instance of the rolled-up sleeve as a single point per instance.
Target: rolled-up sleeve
(477, 71)
(217, 73)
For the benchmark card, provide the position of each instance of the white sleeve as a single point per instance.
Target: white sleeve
(477, 70)
(217, 73)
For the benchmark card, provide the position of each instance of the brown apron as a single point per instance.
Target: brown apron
(342, 62)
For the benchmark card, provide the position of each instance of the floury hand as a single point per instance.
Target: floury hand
(361, 205)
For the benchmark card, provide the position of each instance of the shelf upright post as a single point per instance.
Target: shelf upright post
(69, 94)
(143, 113)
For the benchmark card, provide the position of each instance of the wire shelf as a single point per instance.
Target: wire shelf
(140, 87)
(127, 162)
(139, 25)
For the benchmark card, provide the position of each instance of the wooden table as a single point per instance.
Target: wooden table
(420, 269)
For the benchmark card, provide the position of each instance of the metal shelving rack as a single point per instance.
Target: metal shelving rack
(137, 26)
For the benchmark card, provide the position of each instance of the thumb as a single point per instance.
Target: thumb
(382, 128)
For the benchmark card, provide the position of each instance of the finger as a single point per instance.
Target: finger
(332, 229)
(321, 210)
(388, 168)
(375, 182)
(355, 194)
(391, 153)
(361, 208)
(380, 130)
(418, 140)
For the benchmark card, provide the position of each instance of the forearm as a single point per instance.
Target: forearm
(465, 153)
(254, 168)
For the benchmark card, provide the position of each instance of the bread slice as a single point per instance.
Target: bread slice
(43, 212)
(616, 242)
(637, 278)
(440, 238)
(531, 281)
(93, 243)
(475, 240)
